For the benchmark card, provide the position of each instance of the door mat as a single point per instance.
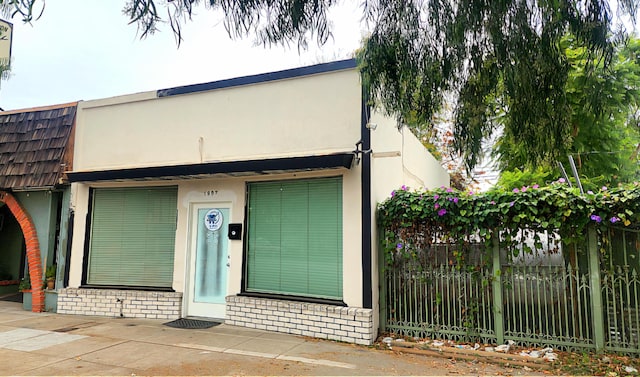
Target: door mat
(13, 297)
(187, 323)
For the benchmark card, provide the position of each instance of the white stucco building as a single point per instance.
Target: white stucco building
(250, 199)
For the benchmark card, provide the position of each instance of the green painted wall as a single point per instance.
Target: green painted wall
(42, 207)
(62, 239)
(11, 241)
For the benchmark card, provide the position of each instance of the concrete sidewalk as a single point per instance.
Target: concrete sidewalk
(55, 344)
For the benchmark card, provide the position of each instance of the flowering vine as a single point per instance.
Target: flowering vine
(457, 214)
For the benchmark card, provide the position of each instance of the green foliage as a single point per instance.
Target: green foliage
(603, 103)
(503, 59)
(25, 284)
(50, 272)
(517, 178)
(414, 219)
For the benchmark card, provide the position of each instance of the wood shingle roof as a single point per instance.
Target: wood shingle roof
(36, 146)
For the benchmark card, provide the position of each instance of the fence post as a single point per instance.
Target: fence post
(596, 290)
(382, 282)
(498, 315)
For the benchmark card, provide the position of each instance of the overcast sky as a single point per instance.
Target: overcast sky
(84, 49)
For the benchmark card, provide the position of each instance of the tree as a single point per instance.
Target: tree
(603, 109)
(419, 50)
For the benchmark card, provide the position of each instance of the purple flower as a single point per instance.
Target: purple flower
(436, 197)
(393, 193)
(596, 218)
(524, 188)
(561, 180)
(399, 246)
(614, 219)
(436, 206)
(511, 204)
(455, 200)
(449, 189)
(442, 212)
(404, 188)
(493, 202)
(535, 186)
(590, 192)
(470, 192)
(516, 190)
(450, 199)
(604, 188)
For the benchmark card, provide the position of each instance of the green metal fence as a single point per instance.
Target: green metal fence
(587, 301)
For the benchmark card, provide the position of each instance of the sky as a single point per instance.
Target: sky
(85, 49)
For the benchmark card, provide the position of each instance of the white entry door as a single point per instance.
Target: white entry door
(208, 261)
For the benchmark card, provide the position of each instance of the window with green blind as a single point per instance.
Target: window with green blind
(295, 238)
(133, 236)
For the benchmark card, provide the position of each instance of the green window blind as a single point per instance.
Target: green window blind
(295, 238)
(133, 236)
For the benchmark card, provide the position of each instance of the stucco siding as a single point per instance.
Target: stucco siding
(308, 115)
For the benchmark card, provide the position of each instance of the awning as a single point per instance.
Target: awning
(226, 168)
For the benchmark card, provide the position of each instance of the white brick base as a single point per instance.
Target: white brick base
(120, 303)
(353, 325)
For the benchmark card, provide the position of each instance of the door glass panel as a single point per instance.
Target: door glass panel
(211, 255)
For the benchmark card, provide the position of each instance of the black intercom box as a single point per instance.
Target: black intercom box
(235, 231)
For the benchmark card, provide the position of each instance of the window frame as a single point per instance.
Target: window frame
(246, 291)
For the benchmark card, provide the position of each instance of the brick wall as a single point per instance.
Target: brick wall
(353, 325)
(120, 303)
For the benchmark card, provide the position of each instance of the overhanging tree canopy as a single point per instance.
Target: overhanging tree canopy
(419, 50)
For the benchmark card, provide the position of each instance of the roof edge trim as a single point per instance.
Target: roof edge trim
(260, 78)
(40, 108)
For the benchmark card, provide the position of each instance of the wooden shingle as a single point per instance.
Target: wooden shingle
(34, 146)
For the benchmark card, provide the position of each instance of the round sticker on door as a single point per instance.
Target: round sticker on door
(213, 220)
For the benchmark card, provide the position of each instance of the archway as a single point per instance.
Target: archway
(33, 249)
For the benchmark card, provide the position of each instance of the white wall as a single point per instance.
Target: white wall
(308, 115)
(302, 116)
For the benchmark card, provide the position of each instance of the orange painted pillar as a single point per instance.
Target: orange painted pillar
(33, 250)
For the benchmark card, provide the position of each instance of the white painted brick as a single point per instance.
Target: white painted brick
(364, 342)
(354, 335)
(347, 328)
(327, 331)
(341, 332)
(362, 330)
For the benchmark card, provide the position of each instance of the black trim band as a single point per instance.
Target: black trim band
(367, 293)
(261, 78)
(273, 296)
(87, 238)
(127, 288)
(338, 160)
